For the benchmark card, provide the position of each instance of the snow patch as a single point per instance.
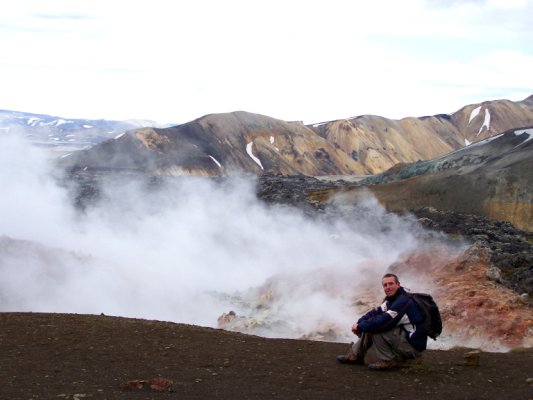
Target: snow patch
(66, 155)
(119, 136)
(87, 126)
(486, 122)
(32, 121)
(485, 141)
(472, 144)
(249, 151)
(56, 122)
(522, 131)
(474, 113)
(272, 142)
(467, 142)
(216, 162)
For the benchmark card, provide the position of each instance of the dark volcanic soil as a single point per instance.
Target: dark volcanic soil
(58, 356)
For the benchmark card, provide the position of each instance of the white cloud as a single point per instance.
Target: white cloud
(292, 60)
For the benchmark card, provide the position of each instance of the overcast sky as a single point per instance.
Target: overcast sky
(304, 60)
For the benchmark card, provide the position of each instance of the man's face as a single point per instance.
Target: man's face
(390, 286)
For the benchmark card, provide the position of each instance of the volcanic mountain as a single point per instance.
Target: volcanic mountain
(221, 144)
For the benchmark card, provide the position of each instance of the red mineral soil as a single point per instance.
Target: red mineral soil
(476, 311)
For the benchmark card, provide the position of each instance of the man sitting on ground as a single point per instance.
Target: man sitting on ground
(391, 328)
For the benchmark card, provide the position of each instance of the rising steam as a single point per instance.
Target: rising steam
(187, 251)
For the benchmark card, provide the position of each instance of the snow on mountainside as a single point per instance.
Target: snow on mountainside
(62, 135)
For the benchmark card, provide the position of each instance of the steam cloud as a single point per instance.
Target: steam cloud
(187, 253)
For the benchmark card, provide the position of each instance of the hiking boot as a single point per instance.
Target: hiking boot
(383, 365)
(351, 359)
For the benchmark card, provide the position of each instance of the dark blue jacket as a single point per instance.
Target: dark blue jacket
(398, 310)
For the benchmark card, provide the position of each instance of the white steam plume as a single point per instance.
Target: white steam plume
(187, 253)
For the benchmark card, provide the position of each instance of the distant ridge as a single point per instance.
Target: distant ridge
(63, 135)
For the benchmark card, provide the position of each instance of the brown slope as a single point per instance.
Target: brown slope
(58, 356)
(220, 144)
(280, 146)
(379, 143)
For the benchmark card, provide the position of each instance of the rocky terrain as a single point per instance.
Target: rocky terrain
(222, 144)
(509, 249)
(58, 356)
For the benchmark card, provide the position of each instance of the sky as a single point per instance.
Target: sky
(310, 61)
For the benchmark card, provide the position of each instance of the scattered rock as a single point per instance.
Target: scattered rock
(510, 249)
(156, 384)
(471, 358)
(494, 274)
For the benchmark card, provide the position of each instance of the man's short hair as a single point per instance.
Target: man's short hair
(389, 275)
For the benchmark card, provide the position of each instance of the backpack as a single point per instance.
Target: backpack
(432, 323)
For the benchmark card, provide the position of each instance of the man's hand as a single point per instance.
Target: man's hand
(355, 330)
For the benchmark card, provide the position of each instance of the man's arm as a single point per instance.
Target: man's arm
(371, 313)
(386, 320)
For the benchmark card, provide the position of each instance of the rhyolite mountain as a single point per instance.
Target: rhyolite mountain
(222, 144)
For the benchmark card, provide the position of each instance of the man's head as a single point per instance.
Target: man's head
(390, 284)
